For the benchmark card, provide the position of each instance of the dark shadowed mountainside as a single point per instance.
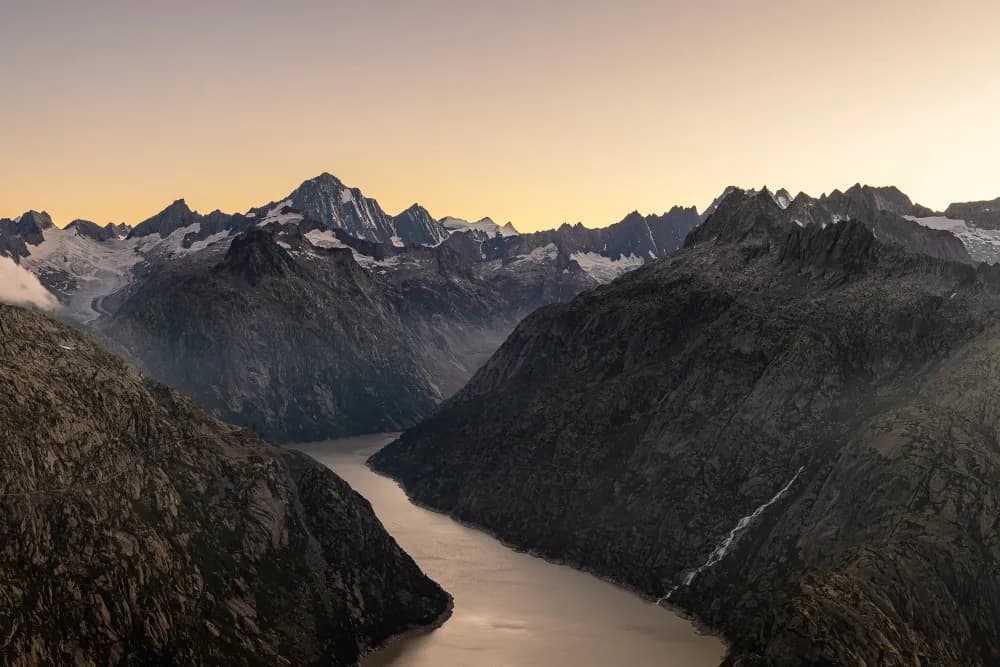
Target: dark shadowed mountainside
(788, 431)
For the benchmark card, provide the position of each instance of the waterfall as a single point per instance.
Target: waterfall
(723, 547)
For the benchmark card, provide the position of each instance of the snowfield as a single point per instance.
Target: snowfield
(603, 269)
(983, 244)
(98, 269)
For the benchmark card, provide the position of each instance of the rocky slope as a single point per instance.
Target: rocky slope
(136, 529)
(788, 431)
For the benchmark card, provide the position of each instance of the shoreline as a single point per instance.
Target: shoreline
(415, 631)
(700, 627)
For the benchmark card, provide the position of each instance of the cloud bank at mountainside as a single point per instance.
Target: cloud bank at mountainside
(20, 287)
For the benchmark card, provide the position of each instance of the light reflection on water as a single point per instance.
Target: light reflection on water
(511, 609)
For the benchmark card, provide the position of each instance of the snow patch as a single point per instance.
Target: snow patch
(604, 269)
(541, 254)
(99, 268)
(275, 215)
(983, 244)
(324, 239)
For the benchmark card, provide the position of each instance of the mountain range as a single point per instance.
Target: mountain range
(775, 415)
(319, 315)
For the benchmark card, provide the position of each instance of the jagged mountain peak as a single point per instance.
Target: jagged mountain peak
(325, 182)
(177, 207)
(756, 217)
(713, 207)
(737, 214)
(326, 177)
(327, 200)
(175, 216)
(678, 208)
(783, 198)
(94, 231)
(27, 228)
(416, 226)
(40, 219)
(416, 208)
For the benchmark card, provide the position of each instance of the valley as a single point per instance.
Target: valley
(690, 405)
(523, 334)
(511, 608)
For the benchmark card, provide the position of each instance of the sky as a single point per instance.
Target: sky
(538, 112)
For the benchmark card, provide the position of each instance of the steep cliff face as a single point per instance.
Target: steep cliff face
(788, 431)
(137, 530)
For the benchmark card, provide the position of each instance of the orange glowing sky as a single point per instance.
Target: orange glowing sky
(537, 112)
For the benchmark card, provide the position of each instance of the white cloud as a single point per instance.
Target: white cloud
(21, 288)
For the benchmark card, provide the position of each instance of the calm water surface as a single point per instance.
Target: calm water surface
(512, 609)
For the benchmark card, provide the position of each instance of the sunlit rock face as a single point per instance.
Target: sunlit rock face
(135, 528)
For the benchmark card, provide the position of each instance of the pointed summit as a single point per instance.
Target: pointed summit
(38, 220)
(416, 226)
(29, 227)
(783, 198)
(175, 216)
(329, 202)
(713, 207)
(92, 230)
